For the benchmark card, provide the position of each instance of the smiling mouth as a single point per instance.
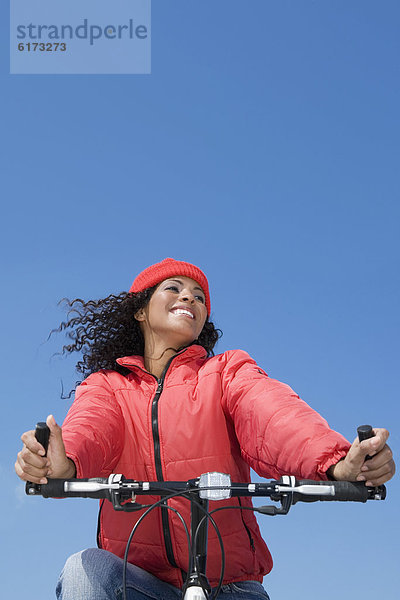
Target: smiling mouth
(182, 311)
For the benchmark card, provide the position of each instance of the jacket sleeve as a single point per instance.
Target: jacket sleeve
(278, 433)
(93, 429)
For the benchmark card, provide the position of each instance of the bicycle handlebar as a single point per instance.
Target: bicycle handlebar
(210, 486)
(117, 489)
(122, 493)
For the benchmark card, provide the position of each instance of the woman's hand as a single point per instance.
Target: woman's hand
(376, 471)
(32, 465)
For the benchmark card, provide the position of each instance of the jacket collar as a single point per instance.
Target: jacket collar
(187, 354)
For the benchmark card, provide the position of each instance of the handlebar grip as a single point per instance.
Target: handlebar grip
(42, 434)
(344, 491)
(349, 491)
(58, 488)
(365, 433)
(53, 489)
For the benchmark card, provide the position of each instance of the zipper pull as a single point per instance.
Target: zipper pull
(160, 385)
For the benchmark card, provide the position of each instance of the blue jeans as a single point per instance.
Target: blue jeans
(96, 574)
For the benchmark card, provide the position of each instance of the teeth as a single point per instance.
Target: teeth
(181, 311)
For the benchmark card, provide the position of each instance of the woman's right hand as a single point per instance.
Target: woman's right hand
(32, 465)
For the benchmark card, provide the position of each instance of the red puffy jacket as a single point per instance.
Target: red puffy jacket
(206, 414)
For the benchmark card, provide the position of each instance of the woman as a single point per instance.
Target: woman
(158, 405)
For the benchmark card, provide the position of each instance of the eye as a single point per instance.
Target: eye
(200, 298)
(172, 287)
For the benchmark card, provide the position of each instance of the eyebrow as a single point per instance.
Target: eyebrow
(180, 281)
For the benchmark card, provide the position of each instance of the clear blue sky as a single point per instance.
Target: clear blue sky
(264, 147)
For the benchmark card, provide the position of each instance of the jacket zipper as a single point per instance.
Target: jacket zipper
(157, 459)
(247, 529)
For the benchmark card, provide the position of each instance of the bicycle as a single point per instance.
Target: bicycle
(122, 493)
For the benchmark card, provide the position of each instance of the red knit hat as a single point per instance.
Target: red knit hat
(168, 268)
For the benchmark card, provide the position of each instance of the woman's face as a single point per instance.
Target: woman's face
(175, 314)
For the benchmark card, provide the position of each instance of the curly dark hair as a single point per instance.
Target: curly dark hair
(106, 329)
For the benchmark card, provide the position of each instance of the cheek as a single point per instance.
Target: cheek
(203, 321)
(156, 306)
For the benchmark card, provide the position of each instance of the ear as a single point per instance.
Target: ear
(139, 315)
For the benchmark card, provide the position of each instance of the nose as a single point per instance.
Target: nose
(187, 296)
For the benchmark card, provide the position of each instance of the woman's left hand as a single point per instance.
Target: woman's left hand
(376, 471)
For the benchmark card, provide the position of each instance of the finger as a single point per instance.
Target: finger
(382, 457)
(30, 441)
(383, 478)
(379, 440)
(355, 457)
(26, 457)
(28, 473)
(371, 446)
(381, 433)
(55, 432)
(373, 475)
(52, 425)
(378, 476)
